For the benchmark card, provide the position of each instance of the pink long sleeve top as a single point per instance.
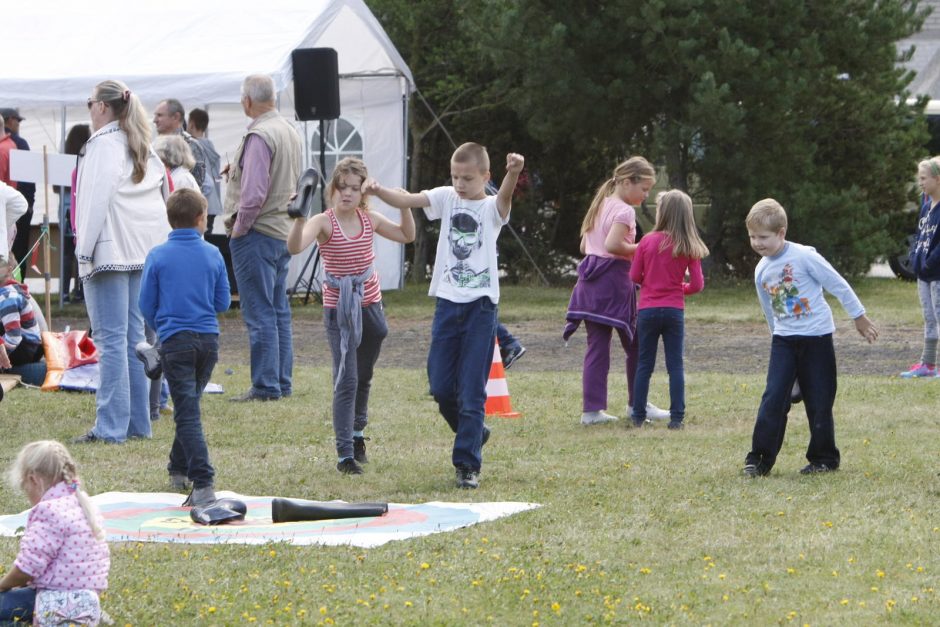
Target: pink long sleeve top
(662, 276)
(58, 549)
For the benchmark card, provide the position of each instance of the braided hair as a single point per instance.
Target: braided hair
(51, 461)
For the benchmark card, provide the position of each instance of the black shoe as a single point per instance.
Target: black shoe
(511, 355)
(88, 438)
(349, 466)
(639, 423)
(467, 479)
(796, 395)
(200, 497)
(250, 396)
(754, 470)
(814, 468)
(359, 450)
(486, 435)
(150, 356)
(302, 204)
(676, 425)
(180, 482)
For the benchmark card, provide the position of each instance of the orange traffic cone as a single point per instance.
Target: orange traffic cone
(497, 390)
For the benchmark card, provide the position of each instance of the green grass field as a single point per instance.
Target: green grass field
(648, 526)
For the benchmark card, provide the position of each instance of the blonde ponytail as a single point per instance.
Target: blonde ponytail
(132, 118)
(634, 169)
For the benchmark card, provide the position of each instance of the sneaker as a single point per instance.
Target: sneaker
(675, 425)
(200, 497)
(359, 450)
(150, 356)
(250, 396)
(753, 470)
(88, 438)
(596, 418)
(512, 355)
(813, 468)
(920, 370)
(179, 482)
(467, 479)
(349, 466)
(655, 413)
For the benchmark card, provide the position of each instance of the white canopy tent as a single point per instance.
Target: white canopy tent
(54, 52)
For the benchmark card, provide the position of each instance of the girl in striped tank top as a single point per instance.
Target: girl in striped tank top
(352, 301)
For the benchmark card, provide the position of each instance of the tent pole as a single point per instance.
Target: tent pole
(45, 242)
(62, 216)
(404, 175)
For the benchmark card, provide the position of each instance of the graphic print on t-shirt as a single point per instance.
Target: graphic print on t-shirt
(467, 264)
(785, 296)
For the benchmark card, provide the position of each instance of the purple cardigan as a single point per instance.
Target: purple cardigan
(603, 294)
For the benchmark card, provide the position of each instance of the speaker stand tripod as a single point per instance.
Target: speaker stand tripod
(313, 259)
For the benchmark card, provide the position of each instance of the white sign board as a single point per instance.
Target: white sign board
(26, 167)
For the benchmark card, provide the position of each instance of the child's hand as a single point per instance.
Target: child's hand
(370, 186)
(514, 162)
(4, 358)
(866, 328)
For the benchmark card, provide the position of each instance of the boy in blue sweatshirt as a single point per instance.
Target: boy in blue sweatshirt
(790, 280)
(184, 285)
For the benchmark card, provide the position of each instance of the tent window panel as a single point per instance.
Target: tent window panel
(343, 139)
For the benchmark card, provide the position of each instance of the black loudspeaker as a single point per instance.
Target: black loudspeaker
(316, 83)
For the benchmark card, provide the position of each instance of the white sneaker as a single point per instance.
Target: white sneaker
(596, 418)
(652, 412)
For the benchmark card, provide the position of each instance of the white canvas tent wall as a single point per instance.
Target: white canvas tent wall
(54, 52)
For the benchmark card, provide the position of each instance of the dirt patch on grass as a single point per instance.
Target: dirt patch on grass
(737, 348)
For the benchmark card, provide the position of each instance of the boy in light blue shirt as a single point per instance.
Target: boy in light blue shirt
(791, 280)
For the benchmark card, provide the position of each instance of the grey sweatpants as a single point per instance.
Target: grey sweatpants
(351, 397)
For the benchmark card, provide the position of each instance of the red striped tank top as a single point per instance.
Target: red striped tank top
(343, 256)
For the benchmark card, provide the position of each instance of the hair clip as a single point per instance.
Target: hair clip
(73, 486)
(126, 95)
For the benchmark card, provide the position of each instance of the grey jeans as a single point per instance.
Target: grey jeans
(351, 397)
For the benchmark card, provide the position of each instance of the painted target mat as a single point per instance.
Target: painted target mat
(158, 517)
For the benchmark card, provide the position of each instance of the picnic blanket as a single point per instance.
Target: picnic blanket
(159, 517)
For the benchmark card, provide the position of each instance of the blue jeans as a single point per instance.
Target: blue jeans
(351, 396)
(651, 324)
(123, 404)
(506, 339)
(811, 360)
(188, 359)
(17, 603)
(458, 368)
(260, 265)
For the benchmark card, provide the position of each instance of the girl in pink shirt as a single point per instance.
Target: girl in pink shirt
(604, 297)
(660, 264)
(63, 560)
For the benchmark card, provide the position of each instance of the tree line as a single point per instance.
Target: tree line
(733, 100)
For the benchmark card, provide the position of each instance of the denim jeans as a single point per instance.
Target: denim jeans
(458, 368)
(811, 360)
(506, 339)
(123, 405)
(260, 265)
(651, 324)
(351, 396)
(188, 359)
(597, 364)
(17, 603)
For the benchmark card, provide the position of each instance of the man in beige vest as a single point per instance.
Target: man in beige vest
(263, 176)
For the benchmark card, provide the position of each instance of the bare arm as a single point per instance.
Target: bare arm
(303, 232)
(616, 242)
(15, 578)
(395, 197)
(403, 233)
(514, 164)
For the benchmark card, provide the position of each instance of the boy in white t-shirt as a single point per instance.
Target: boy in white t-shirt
(466, 285)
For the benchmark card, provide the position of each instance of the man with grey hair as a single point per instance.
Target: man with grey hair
(262, 178)
(168, 117)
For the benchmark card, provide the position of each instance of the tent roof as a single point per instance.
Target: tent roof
(54, 52)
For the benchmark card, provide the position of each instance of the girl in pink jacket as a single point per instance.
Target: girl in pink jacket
(63, 560)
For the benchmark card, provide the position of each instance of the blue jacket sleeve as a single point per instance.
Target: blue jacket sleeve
(149, 298)
(223, 292)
